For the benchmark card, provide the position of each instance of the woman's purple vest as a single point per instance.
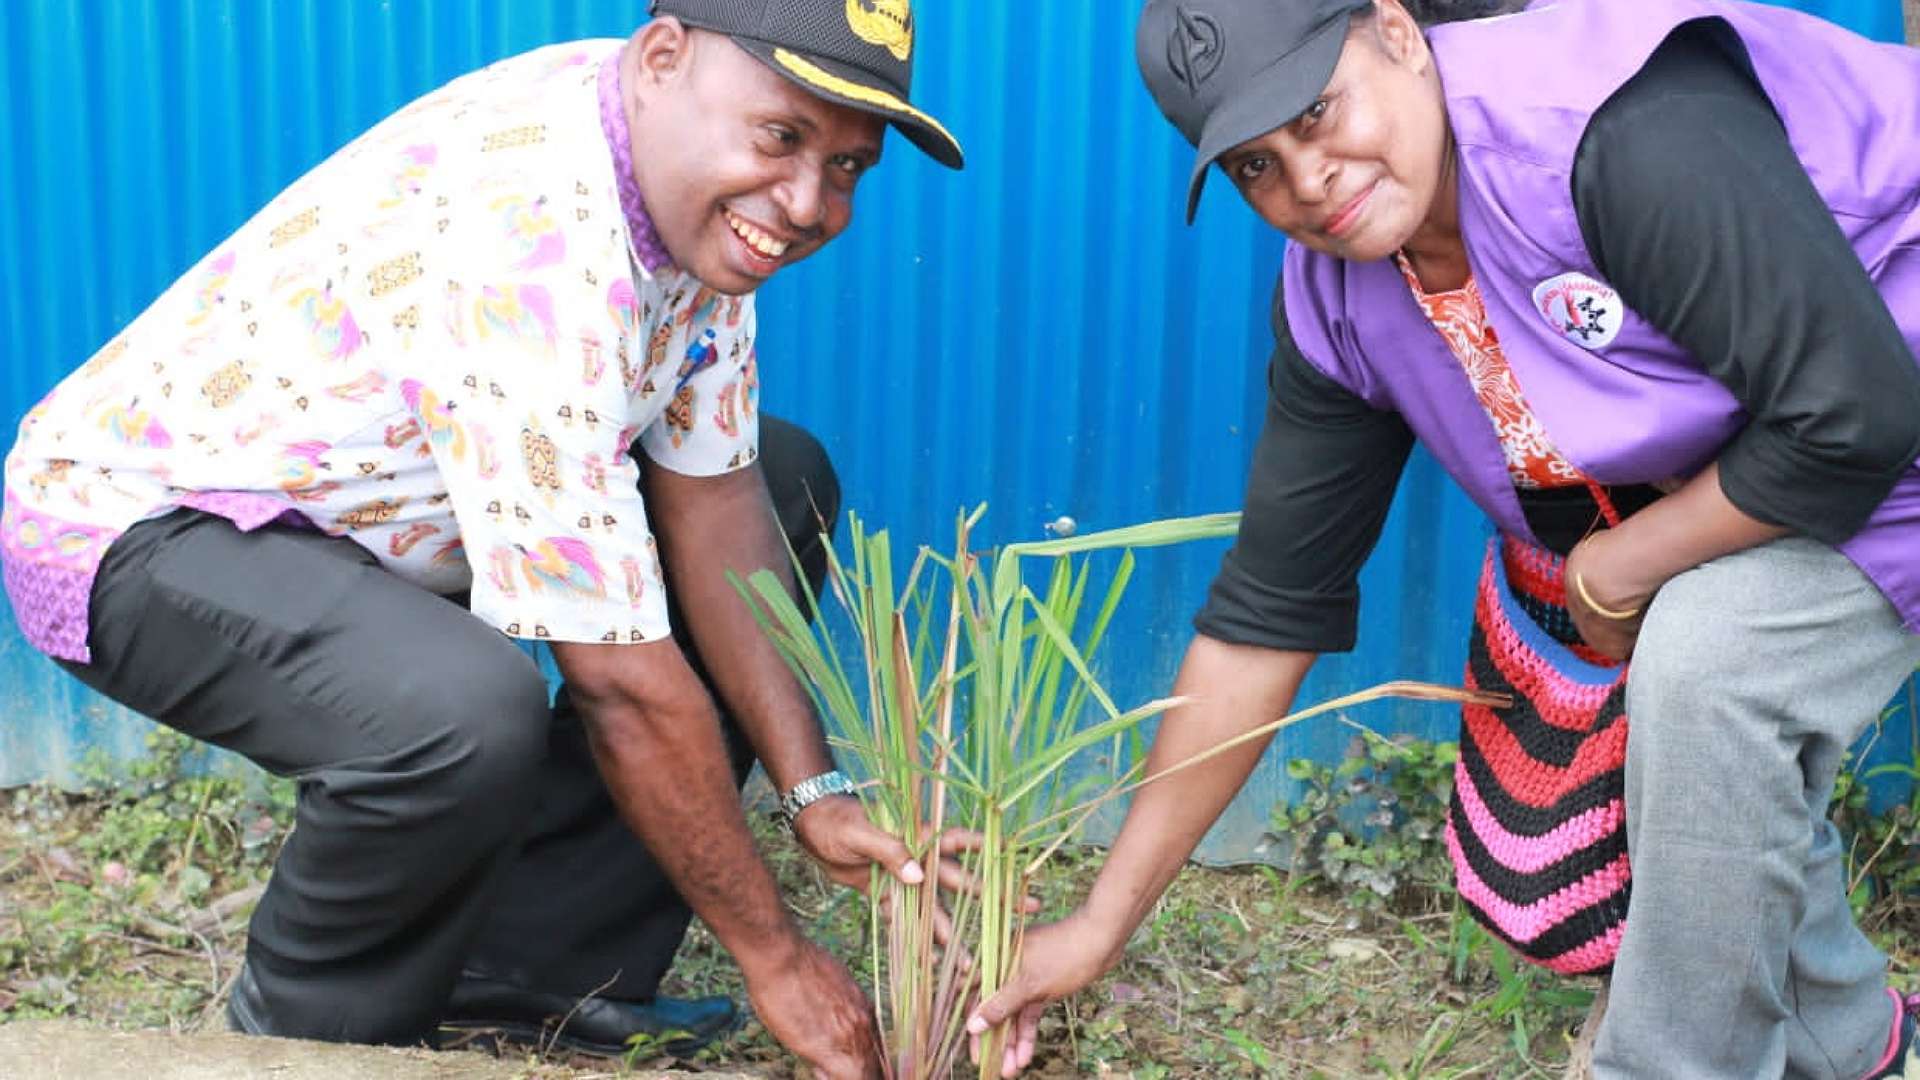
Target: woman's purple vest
(1618, 398)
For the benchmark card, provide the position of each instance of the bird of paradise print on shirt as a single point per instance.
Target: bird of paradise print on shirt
(522, 313)
(532, 230)
(436, 415)
(335, 334)
(211, 291)
(299, 471)
(624, 307)
(563, 563)
(132, 425)
(409, 178)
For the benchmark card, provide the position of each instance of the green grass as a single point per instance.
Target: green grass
(131, 905)
(1245, 972)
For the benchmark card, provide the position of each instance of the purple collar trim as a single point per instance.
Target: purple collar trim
(613, 121)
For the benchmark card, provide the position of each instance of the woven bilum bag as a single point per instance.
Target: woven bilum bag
(1537, 829)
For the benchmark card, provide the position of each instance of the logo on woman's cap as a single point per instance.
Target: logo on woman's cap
(1194, 47)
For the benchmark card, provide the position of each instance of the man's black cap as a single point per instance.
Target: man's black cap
(857, 53)
(1224, 71)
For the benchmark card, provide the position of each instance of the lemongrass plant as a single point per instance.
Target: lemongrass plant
(970, 700)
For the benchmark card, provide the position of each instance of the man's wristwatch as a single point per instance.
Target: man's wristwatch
(812, 790)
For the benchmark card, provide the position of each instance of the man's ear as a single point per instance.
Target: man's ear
(664, 49)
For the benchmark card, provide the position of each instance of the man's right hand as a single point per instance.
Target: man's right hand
(1056, 959)
(657, 740)
(811, 1004)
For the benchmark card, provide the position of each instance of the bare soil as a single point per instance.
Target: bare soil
(63, 1049)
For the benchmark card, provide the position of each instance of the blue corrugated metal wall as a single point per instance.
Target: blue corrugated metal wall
(1039, 332)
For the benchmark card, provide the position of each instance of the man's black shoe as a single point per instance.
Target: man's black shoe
(246, 1011)
(601, 1026)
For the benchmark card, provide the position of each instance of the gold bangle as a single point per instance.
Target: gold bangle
(1580, 585)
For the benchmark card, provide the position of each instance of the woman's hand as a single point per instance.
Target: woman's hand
(1056, 959)
(1612, 576)
(1605, 596)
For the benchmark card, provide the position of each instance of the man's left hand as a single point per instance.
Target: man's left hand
(845, 842)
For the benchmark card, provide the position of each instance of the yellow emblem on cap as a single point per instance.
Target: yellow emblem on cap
(887, 23)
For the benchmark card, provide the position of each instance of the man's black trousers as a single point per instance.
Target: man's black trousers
(449, 817)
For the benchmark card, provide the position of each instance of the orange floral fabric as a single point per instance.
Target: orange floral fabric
(1460, 315)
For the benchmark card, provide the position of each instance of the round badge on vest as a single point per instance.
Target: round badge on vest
(1582, 309)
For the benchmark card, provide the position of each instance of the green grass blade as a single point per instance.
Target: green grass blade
(1038, 768)
(1068, 651)
(1151, 534)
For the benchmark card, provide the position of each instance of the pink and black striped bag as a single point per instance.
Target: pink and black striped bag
(1537, 829)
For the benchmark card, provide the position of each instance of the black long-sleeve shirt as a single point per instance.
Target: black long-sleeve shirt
(1695, 207)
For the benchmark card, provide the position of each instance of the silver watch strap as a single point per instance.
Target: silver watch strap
(812, 790)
